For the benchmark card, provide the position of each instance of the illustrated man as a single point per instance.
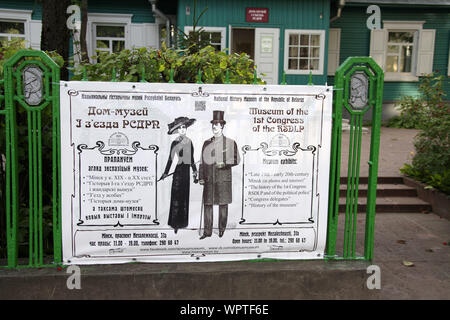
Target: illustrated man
(219, 155)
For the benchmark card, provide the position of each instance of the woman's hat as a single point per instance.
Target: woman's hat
(178, 122)
(218, 117)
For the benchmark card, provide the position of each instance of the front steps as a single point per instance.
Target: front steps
(392, 196)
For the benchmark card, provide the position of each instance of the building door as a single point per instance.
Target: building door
(262, 45)
(267, 42)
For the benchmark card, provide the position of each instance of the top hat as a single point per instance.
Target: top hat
(178, 122)
(218, 117)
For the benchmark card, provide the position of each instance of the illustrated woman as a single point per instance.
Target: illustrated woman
(182, 147)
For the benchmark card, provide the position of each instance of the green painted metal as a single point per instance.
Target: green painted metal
(171, 76)
(227, 77)
(283, 81)
(114, 75)
(199, 77)
(16, 102)
(143, 74)
(374, 75)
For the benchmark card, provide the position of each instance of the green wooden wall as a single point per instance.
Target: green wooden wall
(140, 9)
(283, 14)
(355, 39)
(34, 5)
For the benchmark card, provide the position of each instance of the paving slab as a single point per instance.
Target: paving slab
(396, 149)
(423, 239)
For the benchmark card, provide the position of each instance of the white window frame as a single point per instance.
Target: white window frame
(20, 16)
(287, 33)
(403, 26)
(109, 39)
(106, 19)
(222, 30)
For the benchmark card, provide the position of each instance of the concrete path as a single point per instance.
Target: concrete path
(400, 238)
(396, 148)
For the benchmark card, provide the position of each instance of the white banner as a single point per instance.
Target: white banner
(157, 172)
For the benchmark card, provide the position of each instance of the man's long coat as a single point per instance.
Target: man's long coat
(217, 189)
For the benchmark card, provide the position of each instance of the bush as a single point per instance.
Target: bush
(431, 114)
(130, 65)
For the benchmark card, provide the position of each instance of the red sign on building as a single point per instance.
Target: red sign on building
(257, 15)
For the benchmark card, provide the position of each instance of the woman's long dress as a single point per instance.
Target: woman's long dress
(179, 201)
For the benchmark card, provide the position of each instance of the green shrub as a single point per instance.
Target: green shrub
(411, 112)
(431, 114)
(130, 65)
(415, 109)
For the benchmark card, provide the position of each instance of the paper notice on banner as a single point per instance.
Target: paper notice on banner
(188, 172)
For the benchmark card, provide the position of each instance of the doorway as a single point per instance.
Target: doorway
(262, 45)
(243, 41)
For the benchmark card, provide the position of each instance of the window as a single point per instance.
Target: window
(17, 24)
(215, 36)
(11, 30)
(304, 51)
(400, 48)
(108, 32)
(109, 38)
(403, 49)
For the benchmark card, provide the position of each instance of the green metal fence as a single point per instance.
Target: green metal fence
(358, 88)
(31, 91)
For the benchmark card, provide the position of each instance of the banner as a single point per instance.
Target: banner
(157, 172)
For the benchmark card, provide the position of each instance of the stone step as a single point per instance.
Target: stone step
(381, 180)
(383, 190)
(390, 204)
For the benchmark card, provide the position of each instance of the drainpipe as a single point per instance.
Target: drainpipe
(157, 12)
(341, 5)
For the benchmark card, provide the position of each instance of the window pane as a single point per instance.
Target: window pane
(304, 64)
(304, 39)
(314, 64)
(304, 52)
(401, 37)
(315, 52)
(393, 49)
(205, 36)
(111, 31)
(315, 40)
(293, 64)
(217, 47)
(392, 64)
(405, 64)
(293, 39)
(102, 44)
(215, 37)
(12, 27)
(118, 46)
(293, 51)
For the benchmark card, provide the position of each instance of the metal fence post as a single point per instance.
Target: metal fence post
(31, 85)
(359, 88)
